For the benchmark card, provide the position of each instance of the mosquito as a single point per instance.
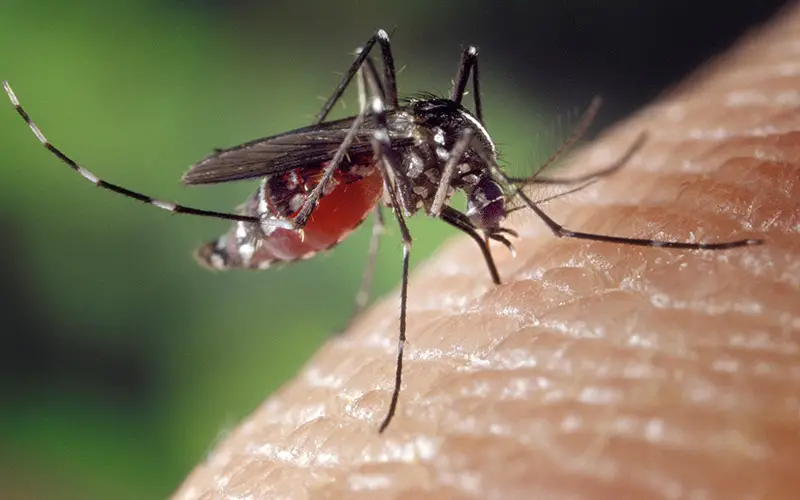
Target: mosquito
(319, 183)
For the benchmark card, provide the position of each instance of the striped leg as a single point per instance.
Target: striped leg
(89, 176)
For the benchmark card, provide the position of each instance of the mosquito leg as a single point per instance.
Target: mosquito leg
(310, 204)
(390, 83)
(362, 87)
(368, 78)
(610, 169)
(456, 155)
(390, 76)
(369, 82)
(476, 90)
(469, 62)
(389, 73)
(562, 232)
(373, 82)
(462, 223)
(378, 228)
(89, 176)
(401, 338)
(365, 288)
(387, 163)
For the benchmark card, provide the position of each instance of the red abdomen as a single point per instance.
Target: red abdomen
(353, 192)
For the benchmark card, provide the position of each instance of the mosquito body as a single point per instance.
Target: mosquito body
(320, 182)
(422, 135)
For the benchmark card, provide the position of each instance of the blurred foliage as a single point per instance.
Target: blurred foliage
(123, 361)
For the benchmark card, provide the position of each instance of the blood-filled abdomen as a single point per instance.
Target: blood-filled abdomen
(353, 192)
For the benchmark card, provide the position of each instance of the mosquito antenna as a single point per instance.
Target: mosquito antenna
(562, 232)
(597, 174)
(554, 196)
(577, 134)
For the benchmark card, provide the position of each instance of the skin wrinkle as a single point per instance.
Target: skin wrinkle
(596, 370)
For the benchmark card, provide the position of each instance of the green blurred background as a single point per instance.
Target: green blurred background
(122, 361)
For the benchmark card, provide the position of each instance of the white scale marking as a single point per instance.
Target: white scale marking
(246, 252)
(166, 205)
(217, 262)
(475, 123)
(38, 133)
(88, 175)
(377, 105)
(11, 94)
(241, 232)
(439, 136)
(381, 136)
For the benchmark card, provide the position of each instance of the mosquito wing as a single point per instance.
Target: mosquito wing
(307, 146)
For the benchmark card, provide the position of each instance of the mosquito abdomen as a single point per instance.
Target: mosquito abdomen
(356, 191)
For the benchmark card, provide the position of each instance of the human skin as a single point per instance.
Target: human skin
(595, 370)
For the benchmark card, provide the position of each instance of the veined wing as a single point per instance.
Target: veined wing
(307, 146)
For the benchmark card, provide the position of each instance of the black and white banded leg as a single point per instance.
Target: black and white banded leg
(89, 176)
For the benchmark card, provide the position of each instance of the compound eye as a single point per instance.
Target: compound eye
(486, 204)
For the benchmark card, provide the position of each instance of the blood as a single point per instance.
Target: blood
(353, 192)
(338, 213)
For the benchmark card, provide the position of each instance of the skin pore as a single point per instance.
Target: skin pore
(596, 370)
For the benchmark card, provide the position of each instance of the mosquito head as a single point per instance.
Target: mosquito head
(486, 204)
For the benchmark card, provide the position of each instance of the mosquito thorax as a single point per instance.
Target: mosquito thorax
(437, 126)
